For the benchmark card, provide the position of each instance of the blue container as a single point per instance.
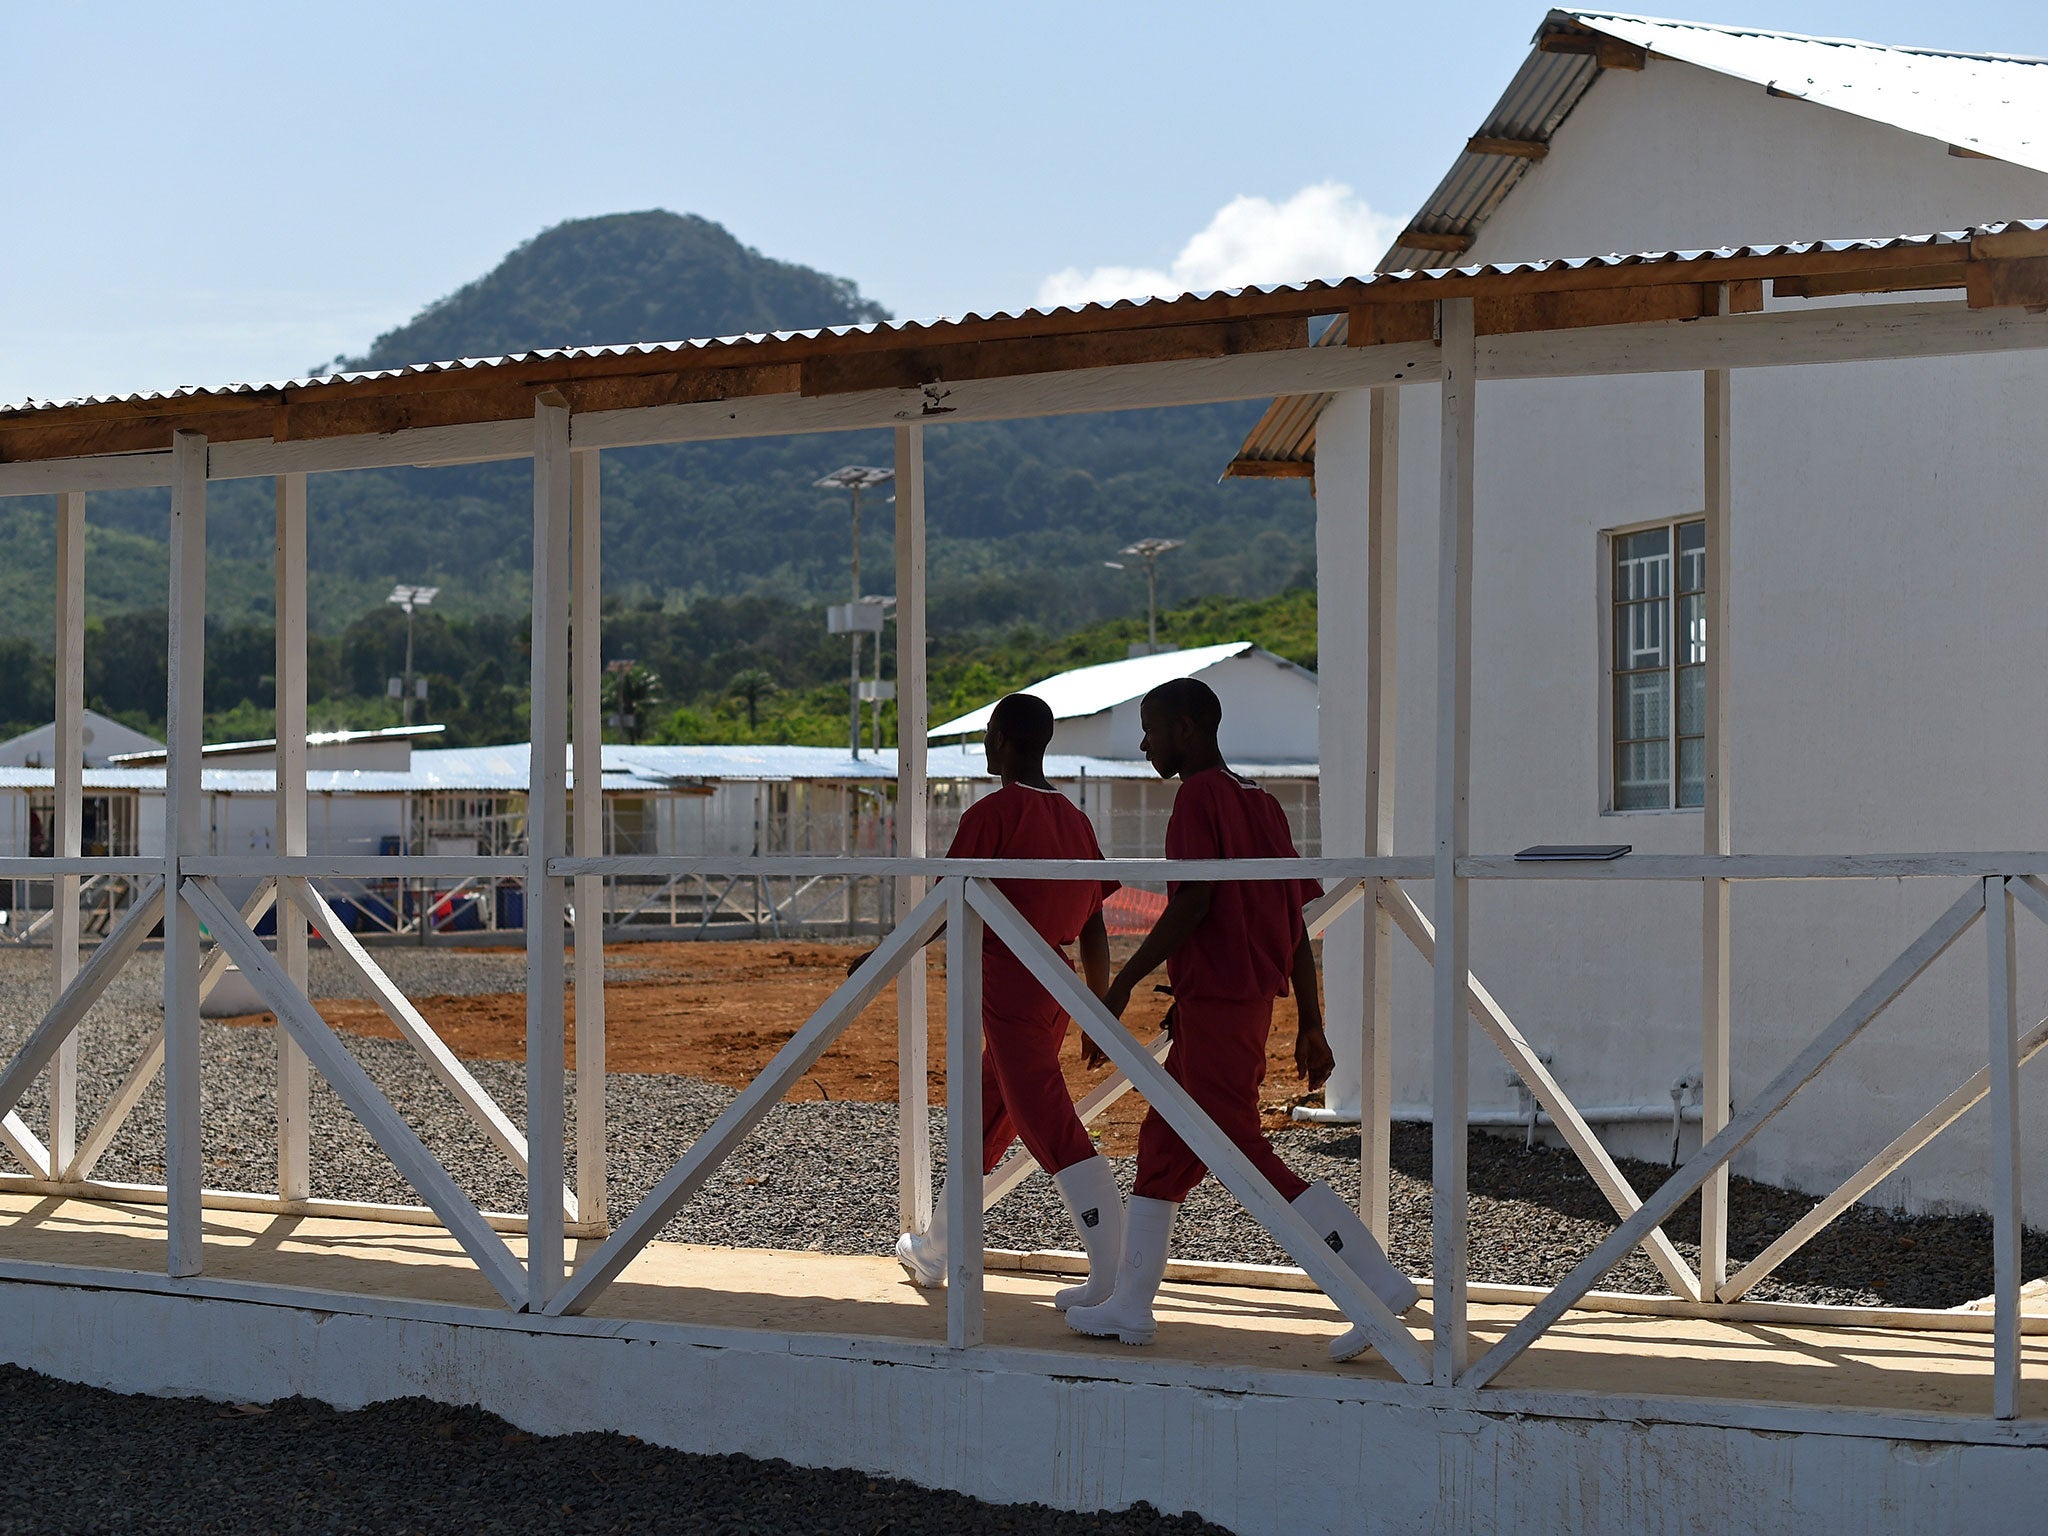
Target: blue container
(511, 907)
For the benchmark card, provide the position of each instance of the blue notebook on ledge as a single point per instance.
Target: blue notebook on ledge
(1594, 853)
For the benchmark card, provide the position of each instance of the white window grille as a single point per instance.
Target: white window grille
(1658, 664)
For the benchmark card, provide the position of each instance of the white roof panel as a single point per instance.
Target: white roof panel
(1090, 690)
(1995, 104)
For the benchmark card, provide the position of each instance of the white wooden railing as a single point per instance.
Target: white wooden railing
(961, 896)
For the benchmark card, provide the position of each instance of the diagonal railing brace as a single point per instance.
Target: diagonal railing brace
(796, 1057)
(475, 1100)
(1231, 1167)
(409, 1155)
(1545, 1089)
(117, 1109)
(1683, 1184)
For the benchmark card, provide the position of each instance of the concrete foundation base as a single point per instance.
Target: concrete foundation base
(1615, 1421)
(1256, 1451)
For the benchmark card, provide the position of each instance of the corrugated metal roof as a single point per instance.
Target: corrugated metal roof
(962, 761)
(502, 770)
(1537, 100)
(717, 351)
(1995, 104)
(1090, 690)
(1992, 104)
(269, 743)
(1285, 434)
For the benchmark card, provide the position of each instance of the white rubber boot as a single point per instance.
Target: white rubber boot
(923, 1254)
(1092, 1199)
(1127, 1315)
(1338, 1225)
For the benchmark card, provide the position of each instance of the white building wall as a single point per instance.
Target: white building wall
(1885, 655)
(14, 823)
(1269, 716)
(102, 737)
(149, 825)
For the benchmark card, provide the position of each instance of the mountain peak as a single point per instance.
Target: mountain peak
(620, 277)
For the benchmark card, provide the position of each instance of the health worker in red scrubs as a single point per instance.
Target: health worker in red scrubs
(1230, 948)
(1023, 1093)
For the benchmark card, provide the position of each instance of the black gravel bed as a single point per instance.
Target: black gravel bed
(822, 1176)
(91, 1460)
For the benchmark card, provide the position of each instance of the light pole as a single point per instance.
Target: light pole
(879, 692)
(855, 478)
(411, 599)
(1149, 550)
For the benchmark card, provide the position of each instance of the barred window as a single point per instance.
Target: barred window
(1659, 666)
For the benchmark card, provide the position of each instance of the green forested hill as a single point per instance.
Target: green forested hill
(1022, 514)
(625, 277)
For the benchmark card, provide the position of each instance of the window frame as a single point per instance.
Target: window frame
(1607, 545)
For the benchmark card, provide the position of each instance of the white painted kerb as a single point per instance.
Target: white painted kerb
(1257, 1452)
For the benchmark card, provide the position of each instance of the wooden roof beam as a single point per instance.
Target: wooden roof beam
(1607, 52)
(1270, 469)
(2019, 283)
(1935, 275)
(916, 367)
(1516, 149)
(1450, 242)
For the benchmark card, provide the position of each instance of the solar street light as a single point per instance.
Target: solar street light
(1149, 550)
(411, 599)
(856, 478)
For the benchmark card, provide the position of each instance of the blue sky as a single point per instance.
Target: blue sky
(206, 192)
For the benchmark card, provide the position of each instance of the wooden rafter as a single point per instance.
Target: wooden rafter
(1607, 52)
(1451, 242)
(1516, 149)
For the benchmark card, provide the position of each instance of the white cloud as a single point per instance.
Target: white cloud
(1325, 230)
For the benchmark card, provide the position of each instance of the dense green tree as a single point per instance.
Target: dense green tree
(750, 687)
(630, 693)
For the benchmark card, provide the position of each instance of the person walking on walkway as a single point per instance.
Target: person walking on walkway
(1023, 1092)
(1230, 948)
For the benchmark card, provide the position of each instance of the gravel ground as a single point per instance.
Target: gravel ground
(186, 1465)
(823, 1176)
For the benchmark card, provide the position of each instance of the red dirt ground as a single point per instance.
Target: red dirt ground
(720, 1010)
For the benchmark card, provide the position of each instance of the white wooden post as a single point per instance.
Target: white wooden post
(1716, 1090)
(546, 813)
(589, 820)
(1376, 1060)
(963, 1120)
(913, 835)
(2006, 1230)
(1451, 1079)
(1346, 455)
(185, 834)
(69, 753)
(294, 1075)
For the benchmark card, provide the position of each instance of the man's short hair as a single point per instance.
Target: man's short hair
(1187, 698)
(1025, 719)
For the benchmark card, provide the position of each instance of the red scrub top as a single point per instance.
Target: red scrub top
(1244, 948)
(1019, 822)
